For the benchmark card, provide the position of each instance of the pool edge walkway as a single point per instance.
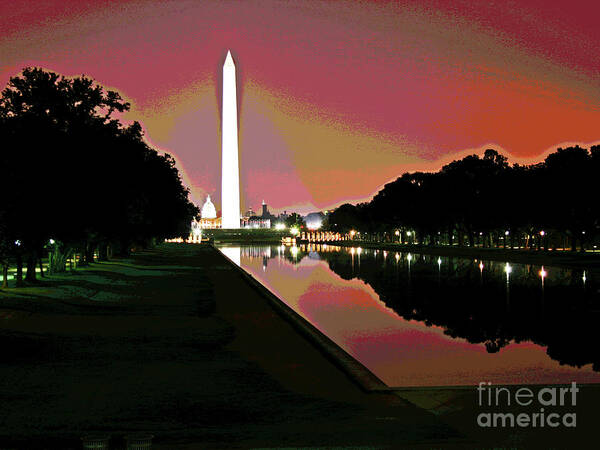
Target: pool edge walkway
(351, 367)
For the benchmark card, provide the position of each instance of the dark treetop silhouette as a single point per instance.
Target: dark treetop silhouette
(485, 201)
(74, 179)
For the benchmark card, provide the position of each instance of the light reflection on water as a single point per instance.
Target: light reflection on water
(420, 320)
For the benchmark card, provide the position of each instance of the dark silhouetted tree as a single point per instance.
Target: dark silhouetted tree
(75, 179)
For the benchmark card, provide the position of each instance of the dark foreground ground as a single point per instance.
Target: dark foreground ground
(175, 342)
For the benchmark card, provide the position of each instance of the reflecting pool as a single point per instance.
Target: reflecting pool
(421, 320)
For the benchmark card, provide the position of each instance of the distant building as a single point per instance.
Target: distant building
(208, 216)
(265, 220)
(265, 212)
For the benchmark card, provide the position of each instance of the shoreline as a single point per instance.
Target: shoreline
(455, 405)
(562, 258)
(546, 258)
(353, 368)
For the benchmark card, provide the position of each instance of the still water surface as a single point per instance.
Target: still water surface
(421, 320)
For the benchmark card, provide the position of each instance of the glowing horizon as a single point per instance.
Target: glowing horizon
(333, 102)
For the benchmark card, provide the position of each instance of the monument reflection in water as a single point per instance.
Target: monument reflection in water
(420, 320)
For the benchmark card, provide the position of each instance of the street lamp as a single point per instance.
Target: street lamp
(542, 240)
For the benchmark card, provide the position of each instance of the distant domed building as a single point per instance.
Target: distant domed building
(208, 215)
(208, 210)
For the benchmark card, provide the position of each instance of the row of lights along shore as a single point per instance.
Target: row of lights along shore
(543, 273)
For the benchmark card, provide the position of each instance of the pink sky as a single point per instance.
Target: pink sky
(336, 98)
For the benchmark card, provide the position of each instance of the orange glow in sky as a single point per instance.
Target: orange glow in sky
(336, 98)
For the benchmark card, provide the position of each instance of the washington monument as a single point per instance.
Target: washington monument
(230, 176)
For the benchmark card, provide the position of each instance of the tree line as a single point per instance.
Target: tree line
(487, 202)
(75, 181)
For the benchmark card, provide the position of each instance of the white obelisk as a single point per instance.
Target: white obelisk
(230, 177)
